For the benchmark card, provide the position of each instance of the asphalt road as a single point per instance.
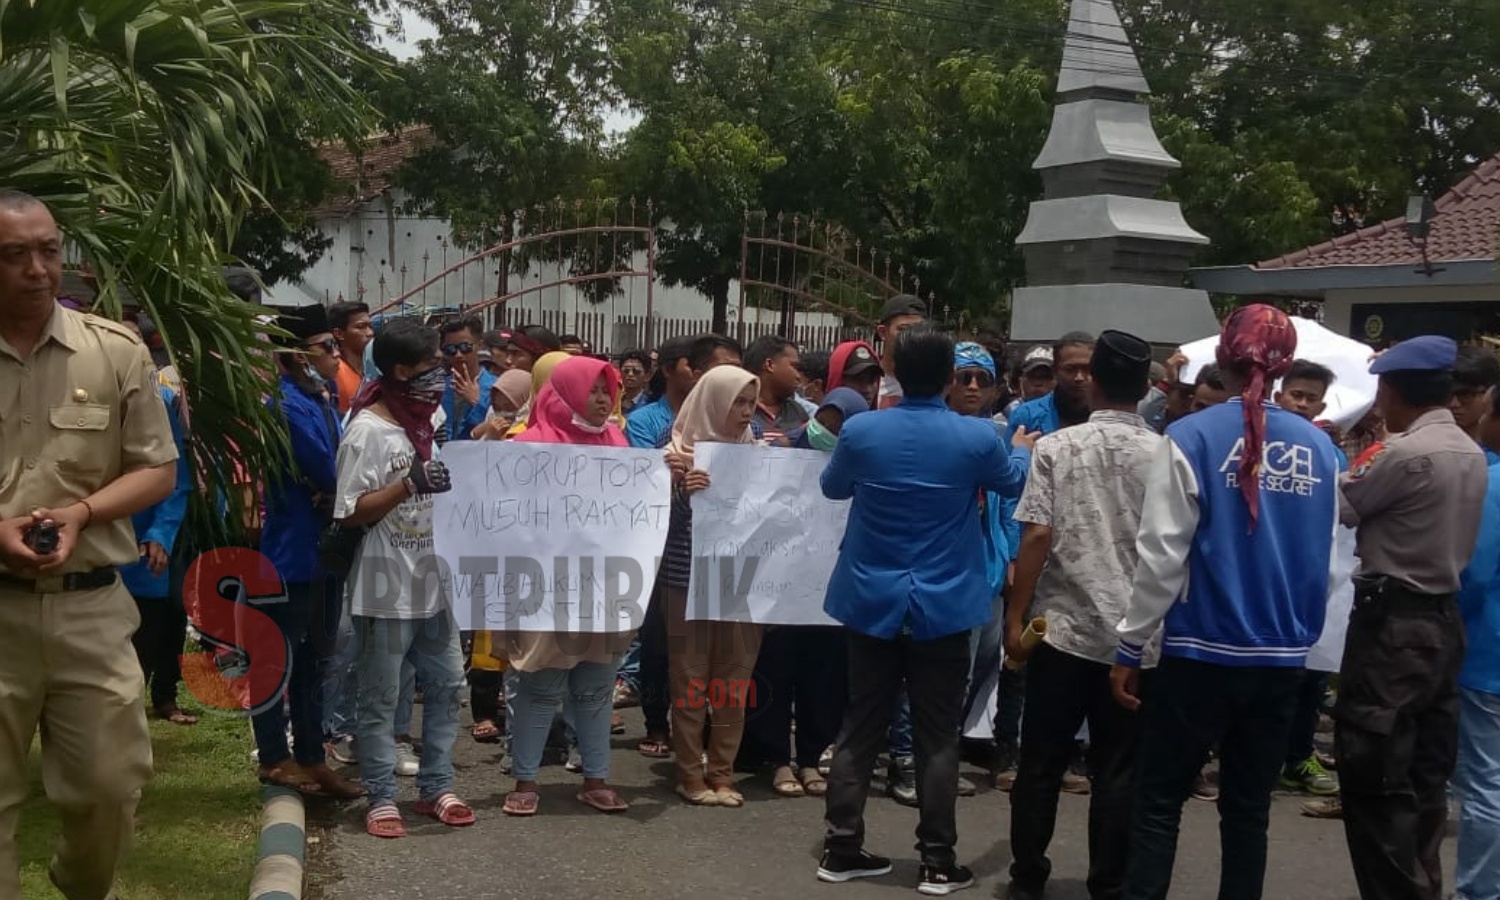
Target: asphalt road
(663, 849)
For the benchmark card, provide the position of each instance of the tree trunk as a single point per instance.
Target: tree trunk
(719, 293)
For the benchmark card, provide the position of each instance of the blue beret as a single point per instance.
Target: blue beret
(1428, 353)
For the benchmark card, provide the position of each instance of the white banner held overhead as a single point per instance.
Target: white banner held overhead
(552, 537)
(765, 539)
(1352, 393)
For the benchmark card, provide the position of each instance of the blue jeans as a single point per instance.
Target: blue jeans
(406, 699)
(630, 666)
(431, 646)
(587, 690)
(337, 690)
(1478, 782)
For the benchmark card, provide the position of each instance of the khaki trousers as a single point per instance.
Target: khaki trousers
(711, 667)
(67, 665)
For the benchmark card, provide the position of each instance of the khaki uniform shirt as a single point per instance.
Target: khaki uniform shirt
(1417, 503)
(80, 412)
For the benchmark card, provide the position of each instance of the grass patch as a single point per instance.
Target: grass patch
(199, 819)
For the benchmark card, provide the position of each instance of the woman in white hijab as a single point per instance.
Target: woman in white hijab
(711, 663)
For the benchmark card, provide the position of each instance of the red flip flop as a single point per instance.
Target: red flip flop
(448, 809)
(384, 821)
(605, 799)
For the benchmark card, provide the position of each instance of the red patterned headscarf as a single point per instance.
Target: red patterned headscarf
(1258, 341)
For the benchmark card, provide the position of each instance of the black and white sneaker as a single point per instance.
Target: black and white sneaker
(837, 868)
(940, 881)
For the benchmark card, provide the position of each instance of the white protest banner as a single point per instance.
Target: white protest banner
(1327, 655)
(765, 539)
(552, 537)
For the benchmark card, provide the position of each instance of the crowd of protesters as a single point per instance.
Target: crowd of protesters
(1152, 559)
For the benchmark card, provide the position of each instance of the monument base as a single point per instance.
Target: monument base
(1161, 315)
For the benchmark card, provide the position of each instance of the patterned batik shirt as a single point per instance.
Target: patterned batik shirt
(1088, 483)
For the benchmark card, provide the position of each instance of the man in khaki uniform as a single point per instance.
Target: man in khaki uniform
(1417, 505)
(86, 443)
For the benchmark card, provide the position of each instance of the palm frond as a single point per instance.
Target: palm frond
(141, 124)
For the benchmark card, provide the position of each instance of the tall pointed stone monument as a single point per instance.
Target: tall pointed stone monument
(1100, 251)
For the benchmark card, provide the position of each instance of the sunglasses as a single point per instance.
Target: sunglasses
(983, 379)
(455, 349)
(327, 346)
(631, 370)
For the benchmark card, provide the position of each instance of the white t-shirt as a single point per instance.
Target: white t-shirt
(398, 576)
(890, 392)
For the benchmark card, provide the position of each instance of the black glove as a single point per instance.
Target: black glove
(430, 477)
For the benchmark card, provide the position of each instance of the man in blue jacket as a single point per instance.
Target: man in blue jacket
(1477, 778)
(910, 597)
(299, 504)
(467, 400)
(1235, 547)
(158, 641)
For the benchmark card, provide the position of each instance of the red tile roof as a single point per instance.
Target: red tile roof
(366, 173)
(1466, 227)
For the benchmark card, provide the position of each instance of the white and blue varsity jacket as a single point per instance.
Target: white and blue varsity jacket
(1230, 596)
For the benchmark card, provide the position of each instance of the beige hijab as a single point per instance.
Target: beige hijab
(705, 413)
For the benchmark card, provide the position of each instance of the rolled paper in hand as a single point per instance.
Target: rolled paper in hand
(1036, 629)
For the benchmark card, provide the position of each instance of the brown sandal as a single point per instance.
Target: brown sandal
(813, 782)
(334, 785)
(287, 774)
(175, 715)
(785, 783)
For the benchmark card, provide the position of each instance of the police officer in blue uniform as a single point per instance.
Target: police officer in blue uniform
(1416, 505)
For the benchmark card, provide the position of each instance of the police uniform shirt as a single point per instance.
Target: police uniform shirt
(1417, 504)
(83, 410)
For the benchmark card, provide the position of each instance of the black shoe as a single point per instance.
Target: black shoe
(940, 881)
(1017, 892)
(837, 868)
(901, 781)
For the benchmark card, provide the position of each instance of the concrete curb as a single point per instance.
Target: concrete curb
(280, 861)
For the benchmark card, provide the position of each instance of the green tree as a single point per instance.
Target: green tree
(139, 122)
(513, 91)
(911, 125)
(1296, 121)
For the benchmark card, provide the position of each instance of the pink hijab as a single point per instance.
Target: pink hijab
(554, 411)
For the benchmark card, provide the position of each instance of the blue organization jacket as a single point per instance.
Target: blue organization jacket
(1229, 596)
(460, 430)
(1040, 417)
(161, 523)
(914, 555)
(1479, 600)
(645, 425)
(289, 537)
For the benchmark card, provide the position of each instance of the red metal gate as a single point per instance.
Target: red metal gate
(797, 264)
(598, 248)
(580, 266)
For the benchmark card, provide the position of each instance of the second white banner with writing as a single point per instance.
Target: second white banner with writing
(552, 537)
(765, 539)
